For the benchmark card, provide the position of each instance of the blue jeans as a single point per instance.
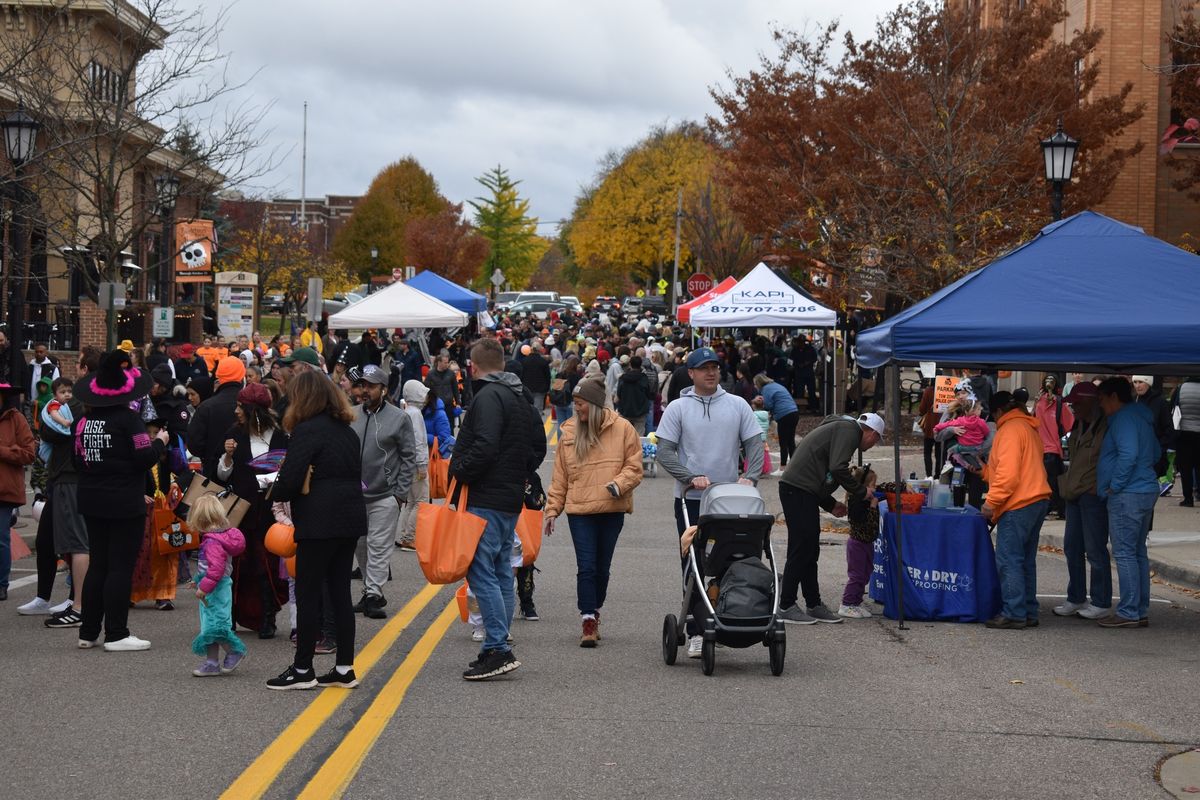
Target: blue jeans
(595, 539)
(1085, 542)
(1128, 525)
(6, 510)
(561, 415)
(491, 576)
(1017, 534)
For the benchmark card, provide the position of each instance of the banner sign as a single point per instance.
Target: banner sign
(943, 392)
(195, 240)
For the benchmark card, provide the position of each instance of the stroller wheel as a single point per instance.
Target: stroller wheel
(778, 648)
(670, 640)
(708, 656)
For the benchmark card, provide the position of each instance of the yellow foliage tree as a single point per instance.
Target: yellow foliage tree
(626, 229)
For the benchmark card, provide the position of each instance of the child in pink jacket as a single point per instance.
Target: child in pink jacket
(220, 542)
(968, 444)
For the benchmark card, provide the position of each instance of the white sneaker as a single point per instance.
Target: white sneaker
(34, 607)
(60, 607)
(1069, 609)
(477, 635)
(853, 612)
(1094, 612)
(127, 645)
(695, 645)
(86, 644)
(777, 473)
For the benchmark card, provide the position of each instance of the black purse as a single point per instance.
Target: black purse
(535, 496)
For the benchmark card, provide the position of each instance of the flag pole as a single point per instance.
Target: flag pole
(303, 169)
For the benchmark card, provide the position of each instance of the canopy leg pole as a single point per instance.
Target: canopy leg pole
(894, 392)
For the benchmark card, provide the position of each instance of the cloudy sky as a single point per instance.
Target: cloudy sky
(543, 88)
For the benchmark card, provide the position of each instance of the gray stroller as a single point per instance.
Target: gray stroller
(734, 533)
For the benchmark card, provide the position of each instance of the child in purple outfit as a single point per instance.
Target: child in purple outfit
(220, 542)
(860, 547)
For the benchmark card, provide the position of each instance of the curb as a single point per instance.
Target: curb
(1180, 574)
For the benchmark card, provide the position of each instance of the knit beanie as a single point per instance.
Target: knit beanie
(592, 390)
(255, 394)
(230, 369)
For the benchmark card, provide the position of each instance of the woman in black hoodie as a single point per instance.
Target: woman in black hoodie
(112, 453)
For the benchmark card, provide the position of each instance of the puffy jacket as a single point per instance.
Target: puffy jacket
(437, 425)
(500, 443)
(334, 507)
(1015, 473)
(444, 385)
(581, 488)
(217, 551)
(206, 431)
(633, 394)
(1129, 452)
(17, 449)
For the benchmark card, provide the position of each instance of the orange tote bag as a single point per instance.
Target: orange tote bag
(446, 538)
(439, 472)
(529, 531)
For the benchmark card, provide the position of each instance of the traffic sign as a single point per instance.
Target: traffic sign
(662, 284)
(868, 288)
(699, 283)
(497, 278)
(641, 292)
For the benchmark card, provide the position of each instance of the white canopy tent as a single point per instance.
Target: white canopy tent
(399, 306)
(763, 299)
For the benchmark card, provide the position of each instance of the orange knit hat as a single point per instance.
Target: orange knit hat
(231, 369)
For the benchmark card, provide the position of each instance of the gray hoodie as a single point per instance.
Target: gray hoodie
(388, 455)
(707, 436)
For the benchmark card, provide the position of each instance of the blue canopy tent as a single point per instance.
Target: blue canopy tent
(1087, 291)
(448, 292)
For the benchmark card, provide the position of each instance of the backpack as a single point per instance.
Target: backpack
(747, 588)
(560, 392)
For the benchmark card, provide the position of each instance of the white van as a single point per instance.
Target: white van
(549, 297)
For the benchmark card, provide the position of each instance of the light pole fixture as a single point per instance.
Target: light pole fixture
(166, 188)
(374, 259)
(20, 138)
(1059, 151)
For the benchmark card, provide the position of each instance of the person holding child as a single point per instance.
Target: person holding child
(220, 543)
(971, 434)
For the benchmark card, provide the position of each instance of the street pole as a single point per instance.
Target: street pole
(1056, 200)
(675, 271)
(18, 236)
(167, 261)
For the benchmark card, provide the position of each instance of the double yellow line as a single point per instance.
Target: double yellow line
(339, 769)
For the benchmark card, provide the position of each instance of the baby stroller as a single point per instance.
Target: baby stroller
(649, 457)
(734, 532)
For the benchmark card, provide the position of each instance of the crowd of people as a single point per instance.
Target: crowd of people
(335, 438)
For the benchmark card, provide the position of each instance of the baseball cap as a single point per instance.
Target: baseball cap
(374, 374)
(874, 422)
(1084, 390)
(305, 354)
(701, 356)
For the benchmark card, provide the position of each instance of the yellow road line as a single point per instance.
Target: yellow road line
(551, 432)
(332, 780)
(262, 772)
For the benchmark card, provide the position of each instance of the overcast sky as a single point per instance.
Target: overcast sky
(543, 88)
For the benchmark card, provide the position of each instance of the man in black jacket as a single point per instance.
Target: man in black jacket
(215, 416)
(500, 443)
(535, 374)
(634, 395)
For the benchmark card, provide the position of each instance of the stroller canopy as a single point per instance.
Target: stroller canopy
(731, 498)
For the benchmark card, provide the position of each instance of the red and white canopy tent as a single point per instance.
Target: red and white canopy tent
(683, 311)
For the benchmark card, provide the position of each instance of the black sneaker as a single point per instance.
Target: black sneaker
(65, 619)
(361, 605)
(324, 647)
(356, 574)
(373, 607)
(491, 664)
(1005, 623)
(337, 680)
(529, 611)
(291, 679)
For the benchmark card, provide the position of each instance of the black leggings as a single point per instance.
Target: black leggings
(933, 456)
(47, 559)
(114, 545)
(786, 427)
(319, 561)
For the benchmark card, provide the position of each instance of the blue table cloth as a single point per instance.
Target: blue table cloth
(949, 567)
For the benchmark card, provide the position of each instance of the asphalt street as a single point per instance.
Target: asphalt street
(862, 709)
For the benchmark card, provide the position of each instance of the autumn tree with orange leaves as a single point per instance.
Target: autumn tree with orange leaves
(920, 145)
(447, 244)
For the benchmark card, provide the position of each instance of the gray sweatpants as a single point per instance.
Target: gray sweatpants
(374, 550)
(406, 529)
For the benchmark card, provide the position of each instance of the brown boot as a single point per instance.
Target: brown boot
(590, 635)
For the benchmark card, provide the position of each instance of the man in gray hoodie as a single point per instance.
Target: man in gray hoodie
(702, 438)
(388, 463)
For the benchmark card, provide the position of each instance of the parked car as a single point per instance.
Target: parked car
(505, 299)
(631, 305)
(273, 303)
(572, 302)
(538, 309)
(606, 303)
(656, 303)
(332, 305)
(527, 296)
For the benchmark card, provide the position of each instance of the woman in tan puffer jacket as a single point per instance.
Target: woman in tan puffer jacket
(596, 469)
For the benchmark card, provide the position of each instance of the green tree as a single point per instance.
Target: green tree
(400, 193)
(503, 219)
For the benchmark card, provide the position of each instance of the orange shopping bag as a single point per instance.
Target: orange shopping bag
(446, 538)
(439, 472)
(529, 531)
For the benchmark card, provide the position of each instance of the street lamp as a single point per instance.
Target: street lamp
(1059, 151)
(166, 187)
(374, 260)
(20, 136)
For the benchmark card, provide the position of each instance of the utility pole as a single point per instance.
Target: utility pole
(675, 271)
(303, 170)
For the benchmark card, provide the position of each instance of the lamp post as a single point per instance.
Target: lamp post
(1059, 151)
(20, 136)
(374, 260)
(166, 187)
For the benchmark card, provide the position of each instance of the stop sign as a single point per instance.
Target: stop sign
(699, 283)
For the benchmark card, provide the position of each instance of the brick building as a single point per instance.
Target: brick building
(1134, 43)
(325, 216)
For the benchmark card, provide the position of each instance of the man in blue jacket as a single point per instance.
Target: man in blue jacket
(1125, 478)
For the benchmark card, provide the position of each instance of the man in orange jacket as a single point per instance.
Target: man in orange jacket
(1017, 501)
